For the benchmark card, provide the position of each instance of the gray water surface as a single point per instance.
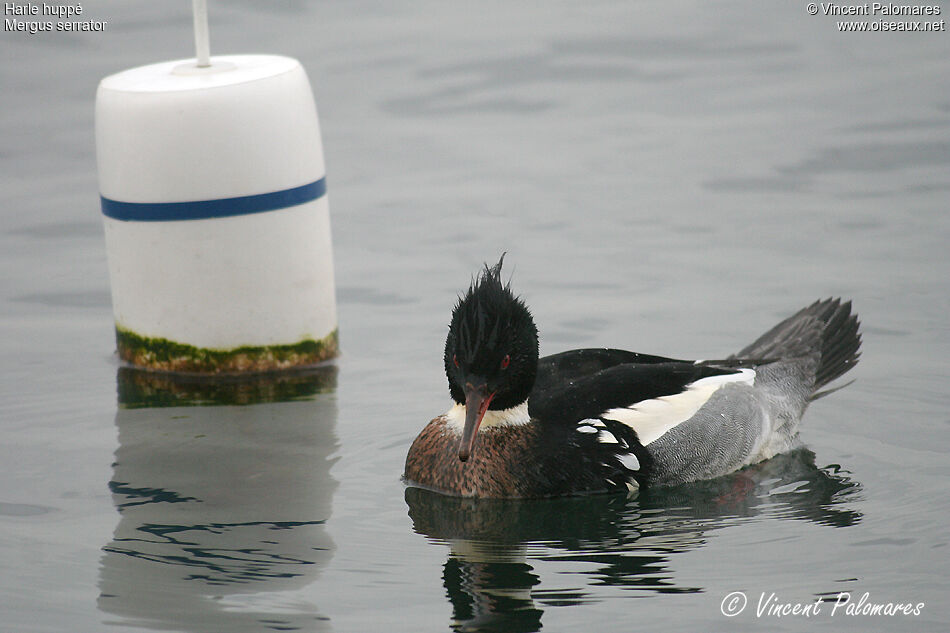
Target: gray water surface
(666, 177)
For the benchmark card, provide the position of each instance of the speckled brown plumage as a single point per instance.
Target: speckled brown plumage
(508, 461)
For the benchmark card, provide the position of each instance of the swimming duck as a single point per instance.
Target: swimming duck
(604, 420)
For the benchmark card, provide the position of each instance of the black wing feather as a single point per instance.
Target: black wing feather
(558, 369)
(567, 396)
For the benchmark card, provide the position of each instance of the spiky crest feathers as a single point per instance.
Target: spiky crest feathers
(489, 323)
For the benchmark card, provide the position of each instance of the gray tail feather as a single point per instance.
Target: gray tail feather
(826, 329)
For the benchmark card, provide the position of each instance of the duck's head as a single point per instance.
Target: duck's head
(491, 352)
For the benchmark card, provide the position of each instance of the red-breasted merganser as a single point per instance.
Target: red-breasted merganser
(603, 420)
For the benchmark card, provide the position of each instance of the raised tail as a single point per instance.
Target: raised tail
(826, 330)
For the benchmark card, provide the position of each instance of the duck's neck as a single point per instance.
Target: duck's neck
(517, 415)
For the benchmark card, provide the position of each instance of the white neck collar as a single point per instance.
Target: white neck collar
(517, 415)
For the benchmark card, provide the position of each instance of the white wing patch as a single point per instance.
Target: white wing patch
(596, 425)
(629, 461)
(652, 418)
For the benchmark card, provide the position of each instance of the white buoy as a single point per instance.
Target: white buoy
(217, 226)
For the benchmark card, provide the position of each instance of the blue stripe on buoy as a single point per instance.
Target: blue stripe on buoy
(207, 209)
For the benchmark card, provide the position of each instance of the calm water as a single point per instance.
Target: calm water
(666, 177)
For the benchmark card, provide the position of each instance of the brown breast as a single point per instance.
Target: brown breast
(498, 467)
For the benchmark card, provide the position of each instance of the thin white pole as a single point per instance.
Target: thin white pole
(202, 43)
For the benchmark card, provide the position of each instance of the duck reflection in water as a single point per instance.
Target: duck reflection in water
(620, 541)
(223, 489)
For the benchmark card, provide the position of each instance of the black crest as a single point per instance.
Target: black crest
(492, 336)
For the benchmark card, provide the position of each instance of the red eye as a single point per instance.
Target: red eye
(455, 359)
(506, 361)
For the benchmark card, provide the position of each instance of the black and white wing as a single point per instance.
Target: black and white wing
(618, 411)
